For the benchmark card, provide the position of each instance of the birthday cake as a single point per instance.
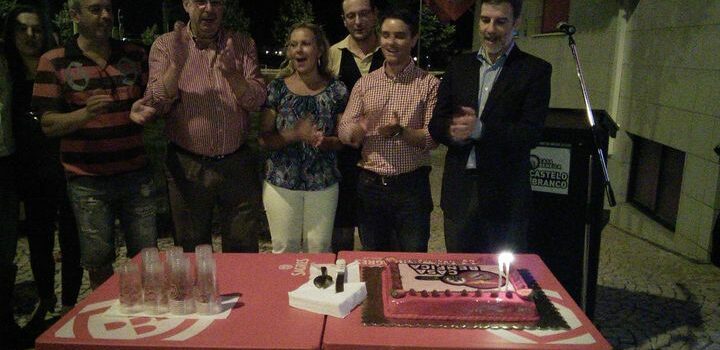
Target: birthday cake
(455, 291)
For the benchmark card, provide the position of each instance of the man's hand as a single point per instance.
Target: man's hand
(359, 131)
(232, 72)
(463, 124)
(181, 45)
(140, 113)
(179, 52)
(97, 104)
(391, 130)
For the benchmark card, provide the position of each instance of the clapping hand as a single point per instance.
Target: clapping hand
(140, 113)
(97, 104)
(181, 45)
(232, 71)
(463, 124)
(358, 133)
(392, 129)
(306, 131)
(179, 52)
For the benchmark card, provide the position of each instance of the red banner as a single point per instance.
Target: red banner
(449, 10)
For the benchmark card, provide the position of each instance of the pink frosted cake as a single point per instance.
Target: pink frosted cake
(454, 291)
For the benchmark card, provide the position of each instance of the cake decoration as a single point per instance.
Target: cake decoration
(455, 294)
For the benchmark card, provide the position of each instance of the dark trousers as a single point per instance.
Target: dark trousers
(198, 185)
(8, 243)
(8, 212)
(394, 211)
(41, 215)
(467, 230)
(346, 220)
(44, 194)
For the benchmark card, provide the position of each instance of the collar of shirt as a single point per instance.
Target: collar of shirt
(218, 40)
(73, 50)
(345, 44)
(482, 56)
(404, 75)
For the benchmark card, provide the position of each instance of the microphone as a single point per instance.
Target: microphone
(566, 28)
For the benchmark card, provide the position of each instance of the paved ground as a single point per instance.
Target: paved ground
(647, 298)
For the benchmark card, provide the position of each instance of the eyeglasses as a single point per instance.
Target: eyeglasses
(364, 14)
(204, 3)
(97, 9)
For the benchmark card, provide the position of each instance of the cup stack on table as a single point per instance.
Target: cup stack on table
(172, 285)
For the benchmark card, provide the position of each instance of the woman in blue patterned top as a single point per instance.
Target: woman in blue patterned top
(299, 127)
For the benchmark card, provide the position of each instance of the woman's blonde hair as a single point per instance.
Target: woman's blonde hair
(287, 69)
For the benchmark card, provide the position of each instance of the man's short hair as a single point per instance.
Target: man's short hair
(515, 4)
(372, 3)
(410, 18)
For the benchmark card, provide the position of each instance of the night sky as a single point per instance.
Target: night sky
(141, 14)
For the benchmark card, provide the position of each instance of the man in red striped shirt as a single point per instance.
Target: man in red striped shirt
(84, 92)
(388, 114)
(207, 80)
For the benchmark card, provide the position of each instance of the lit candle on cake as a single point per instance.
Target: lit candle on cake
(504, 260)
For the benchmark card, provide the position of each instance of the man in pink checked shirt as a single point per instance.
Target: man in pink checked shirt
(206, 80)
(388, 114)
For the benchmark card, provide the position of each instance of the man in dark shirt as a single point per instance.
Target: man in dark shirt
(353, 57)
(490, 112)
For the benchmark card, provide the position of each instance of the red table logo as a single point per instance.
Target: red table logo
(90, 323)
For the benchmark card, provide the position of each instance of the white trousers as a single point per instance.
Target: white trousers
(300, 221)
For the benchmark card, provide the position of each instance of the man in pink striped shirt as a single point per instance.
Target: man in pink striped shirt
(388, 114)
(207, 80)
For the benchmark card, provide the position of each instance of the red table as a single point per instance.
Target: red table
(350, 333)
(262, 317)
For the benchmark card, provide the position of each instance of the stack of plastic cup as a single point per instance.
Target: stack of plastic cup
(153, 282)
(130, 288)
(173, 253)
(180, 283)
(207, 297)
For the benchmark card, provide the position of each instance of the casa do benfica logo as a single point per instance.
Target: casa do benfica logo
(90, 323)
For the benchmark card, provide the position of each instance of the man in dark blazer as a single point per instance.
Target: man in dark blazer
(490, 112)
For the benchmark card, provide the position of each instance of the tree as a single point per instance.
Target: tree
(290, 13)
(234, 17)
(64, 23)
(436, 40)
(5, 8)
(436, 37)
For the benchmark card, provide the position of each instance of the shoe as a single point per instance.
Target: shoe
(11, 335)
(65, 309)
(38, 322)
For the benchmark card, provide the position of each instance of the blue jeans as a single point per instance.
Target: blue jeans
(98, 201)
(394, 211)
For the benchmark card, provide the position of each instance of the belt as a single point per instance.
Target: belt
(387, 180)
(202, 157)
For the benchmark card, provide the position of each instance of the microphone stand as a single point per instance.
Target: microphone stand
(595, 129)
(591, 120)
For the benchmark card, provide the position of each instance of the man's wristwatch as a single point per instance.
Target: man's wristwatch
(398, 132)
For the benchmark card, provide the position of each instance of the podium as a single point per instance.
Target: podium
(567, 216)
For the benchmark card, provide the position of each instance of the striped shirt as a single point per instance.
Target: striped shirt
(110, 143)
(411, 94)
(207, 118)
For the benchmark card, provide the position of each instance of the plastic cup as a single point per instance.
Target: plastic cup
(180, 287)
(206, 292)
(203, 251)
(154, 291)
(130, 288)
